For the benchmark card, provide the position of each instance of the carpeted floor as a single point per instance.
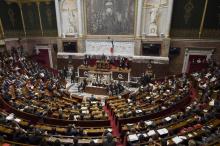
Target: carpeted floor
(193, 93)
(115, 130)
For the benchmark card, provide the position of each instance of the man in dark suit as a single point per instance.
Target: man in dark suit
(109, 141)
(73, 76)
(75, 142)
(34, 138)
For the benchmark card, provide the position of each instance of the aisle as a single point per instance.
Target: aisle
(72, 88)
(115, 130)
(193, 93)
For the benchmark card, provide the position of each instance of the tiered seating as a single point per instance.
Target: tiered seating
(152, 101)
(50, 132)
(45, 97)
(165, 112)
(42, 107)
(171, 126)
(197, 123)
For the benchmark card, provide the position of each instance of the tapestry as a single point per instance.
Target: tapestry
(110, 17)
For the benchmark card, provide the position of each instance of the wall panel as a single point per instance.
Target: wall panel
(48, 17)
(31, 19)
(11, 19)
(186, 19)
(110, 17)
(212, 20)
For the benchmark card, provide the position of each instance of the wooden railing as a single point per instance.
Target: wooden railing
(47, 120)
(178, 106)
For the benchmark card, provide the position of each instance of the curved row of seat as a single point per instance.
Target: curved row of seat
(43, 110)
(153, 101)
(30, 89)
(165, 112)
(197, 123)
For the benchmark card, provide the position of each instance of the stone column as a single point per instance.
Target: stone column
(165, 47)
(139, 18)
(169, 17)
(59, 25)
(80, 17)
(137, 47)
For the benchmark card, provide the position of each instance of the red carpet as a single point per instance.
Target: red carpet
(115, 130)
(193, 93)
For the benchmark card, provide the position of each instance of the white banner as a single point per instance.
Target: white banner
(104, 47)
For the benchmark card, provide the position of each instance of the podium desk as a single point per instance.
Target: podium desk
(116, 73)
(96, 90)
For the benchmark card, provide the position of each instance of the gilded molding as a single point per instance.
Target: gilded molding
(22, 17)
(203, 18)
(40, 20)
(1, 28)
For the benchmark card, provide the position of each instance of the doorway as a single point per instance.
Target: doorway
(70, 47)
(196, 59)
(44, 55)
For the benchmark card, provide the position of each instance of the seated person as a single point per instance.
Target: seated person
(109, 141)
(35, 138)
(92, 98)
(75, 142)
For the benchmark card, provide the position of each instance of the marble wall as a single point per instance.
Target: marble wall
(116, 48)
(152, 17)
(68, 15)
(156, 17)
(68, 12)
(148, 15)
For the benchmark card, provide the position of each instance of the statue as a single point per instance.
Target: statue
(153, 21)
(153, 15)
(72, 21)
(69, 17)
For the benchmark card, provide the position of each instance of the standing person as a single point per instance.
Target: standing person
(84, 85)
(73, 75)
(92, 98)
(85, 61)
(65, 72)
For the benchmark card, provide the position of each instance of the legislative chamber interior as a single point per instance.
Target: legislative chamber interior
(109, 73)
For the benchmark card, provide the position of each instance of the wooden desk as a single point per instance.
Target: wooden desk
(63, 139)
(116, 74)
(198, 132)
(180, 104)
(53, 121)
(5, 130)
(96, 90)
(81, 140)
